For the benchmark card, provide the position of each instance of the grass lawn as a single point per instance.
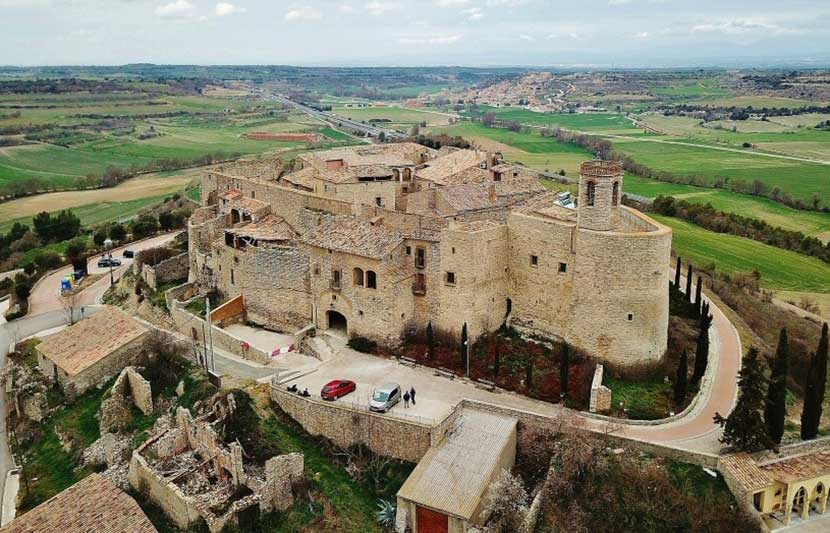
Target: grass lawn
(590, 122)
(642, 399)
(812, 223)
(780, 269)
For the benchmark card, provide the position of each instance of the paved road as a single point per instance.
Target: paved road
(45, 295)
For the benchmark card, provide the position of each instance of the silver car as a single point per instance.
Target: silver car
(385, 397)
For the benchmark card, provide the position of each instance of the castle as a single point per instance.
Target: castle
(379, 240)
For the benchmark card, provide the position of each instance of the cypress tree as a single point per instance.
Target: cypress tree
(563, 370)
(776, 408)
(430, 342)
(814, 391)
(744, 429)
(689, 284)
(677, 270)
(681, 381)
(497, 354)
(702, 347)
(464, 347)
(699, 297)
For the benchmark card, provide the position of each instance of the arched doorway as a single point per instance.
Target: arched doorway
(235, 217)
(817, 500)
(337, 322)
(799, 501)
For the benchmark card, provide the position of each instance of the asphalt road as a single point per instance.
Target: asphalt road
(45, 295)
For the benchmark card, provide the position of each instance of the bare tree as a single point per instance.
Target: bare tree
(70, 303)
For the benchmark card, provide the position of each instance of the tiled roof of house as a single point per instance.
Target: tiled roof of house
(798, 467)
(355, 236)
(442, 169)
(92, 504)
(745, 471)
(268, 228)
(475, 196)
(86, 342)
(304, 177)
(251, 205)
(231, 194)
(454, 475)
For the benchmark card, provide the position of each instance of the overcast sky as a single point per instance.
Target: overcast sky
(415, 32)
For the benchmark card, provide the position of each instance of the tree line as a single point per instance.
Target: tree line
(706, 216)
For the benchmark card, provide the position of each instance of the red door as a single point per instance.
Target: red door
(430, 521)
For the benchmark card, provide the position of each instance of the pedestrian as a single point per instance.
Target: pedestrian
(412, 395)
(406, 399)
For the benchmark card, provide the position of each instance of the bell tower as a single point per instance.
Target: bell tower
(600, 192)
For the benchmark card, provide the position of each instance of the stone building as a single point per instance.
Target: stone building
(380, 240)
(92, 351)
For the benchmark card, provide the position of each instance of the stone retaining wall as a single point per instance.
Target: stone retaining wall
(600, 394)
(348, 426)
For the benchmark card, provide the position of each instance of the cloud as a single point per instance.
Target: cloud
(302, 13)
(641, 35)
(378, 7)
(525, 37)
(473, 13)
(177, 9)
(224, 8)
(739, 27)
(437, 39)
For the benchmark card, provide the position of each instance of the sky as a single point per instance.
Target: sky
(606, 33)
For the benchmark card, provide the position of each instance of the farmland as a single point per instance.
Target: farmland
(399, 118)
(780, 269)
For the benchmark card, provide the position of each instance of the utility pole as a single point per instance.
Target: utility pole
(210, 333)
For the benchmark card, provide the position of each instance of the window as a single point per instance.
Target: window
(420, 257)
(235, 260)
(563, 267)
(232, 278)
(615, 194)
(534, 260)
(419, 286)
(630, 317)
(450, 278)
(496, 176)
(316, 270)
(335, 279)
(357, 277)
(590, 193)
(378, 201)
(453, 249)
(371, 280)
(408, 250)
(253, 195)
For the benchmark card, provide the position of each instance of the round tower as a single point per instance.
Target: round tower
(600, 192)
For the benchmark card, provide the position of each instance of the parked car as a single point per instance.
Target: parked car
(385, 398)
(108, 262)
(337, 389)
(129, 254)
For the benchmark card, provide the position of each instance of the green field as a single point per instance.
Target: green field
(780, 269)
(812, 223)
(401, 118)
(589, 122)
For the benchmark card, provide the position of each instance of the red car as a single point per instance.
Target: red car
(337, 388)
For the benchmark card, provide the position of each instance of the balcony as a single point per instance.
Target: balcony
(335, 285)
(419, 289)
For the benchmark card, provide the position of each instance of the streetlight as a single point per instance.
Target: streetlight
(108, 247)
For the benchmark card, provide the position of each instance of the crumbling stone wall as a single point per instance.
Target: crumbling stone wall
(600, 401)
(176, 267)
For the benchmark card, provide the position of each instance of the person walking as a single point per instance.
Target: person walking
(406, 400)
(412, 395)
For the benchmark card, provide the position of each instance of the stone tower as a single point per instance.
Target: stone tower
(600, 192)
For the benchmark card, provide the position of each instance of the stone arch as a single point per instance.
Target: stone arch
(819, 498)
(357, 277)
(337, 321)
(615, 193)
(407, 174)
(590, 193)
(371, 280)
(396, 173)
(800, 503)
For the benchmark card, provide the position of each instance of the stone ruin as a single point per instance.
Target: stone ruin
(130, 386)
(28, 389)
(190, 473)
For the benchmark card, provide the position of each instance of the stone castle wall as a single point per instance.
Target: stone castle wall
(171, 269)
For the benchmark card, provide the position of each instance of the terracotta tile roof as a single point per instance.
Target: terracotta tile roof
(355, 236)
(83, 344)
(304, 177)
(454, 475)
(92, 504)
(250, 204)
(268, 228)
(442, 169)
(745, 471)
(352, 174)
(231, 194)
(798, 467)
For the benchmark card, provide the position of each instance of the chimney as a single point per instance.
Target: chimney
(491, 194)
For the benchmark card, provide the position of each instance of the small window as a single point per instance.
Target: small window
(453, 249)
(253, 194)
(357, 277)
(316, 270)
(590, 193)
(232, 277)
(630, 317)
(235, 260)
(534, 260)
(371, 280)
(408, 250)
(563, 267)
(360, 313)
(450, 278)
(420, 257)
(378, 201)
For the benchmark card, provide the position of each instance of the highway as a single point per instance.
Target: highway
(332, 119)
